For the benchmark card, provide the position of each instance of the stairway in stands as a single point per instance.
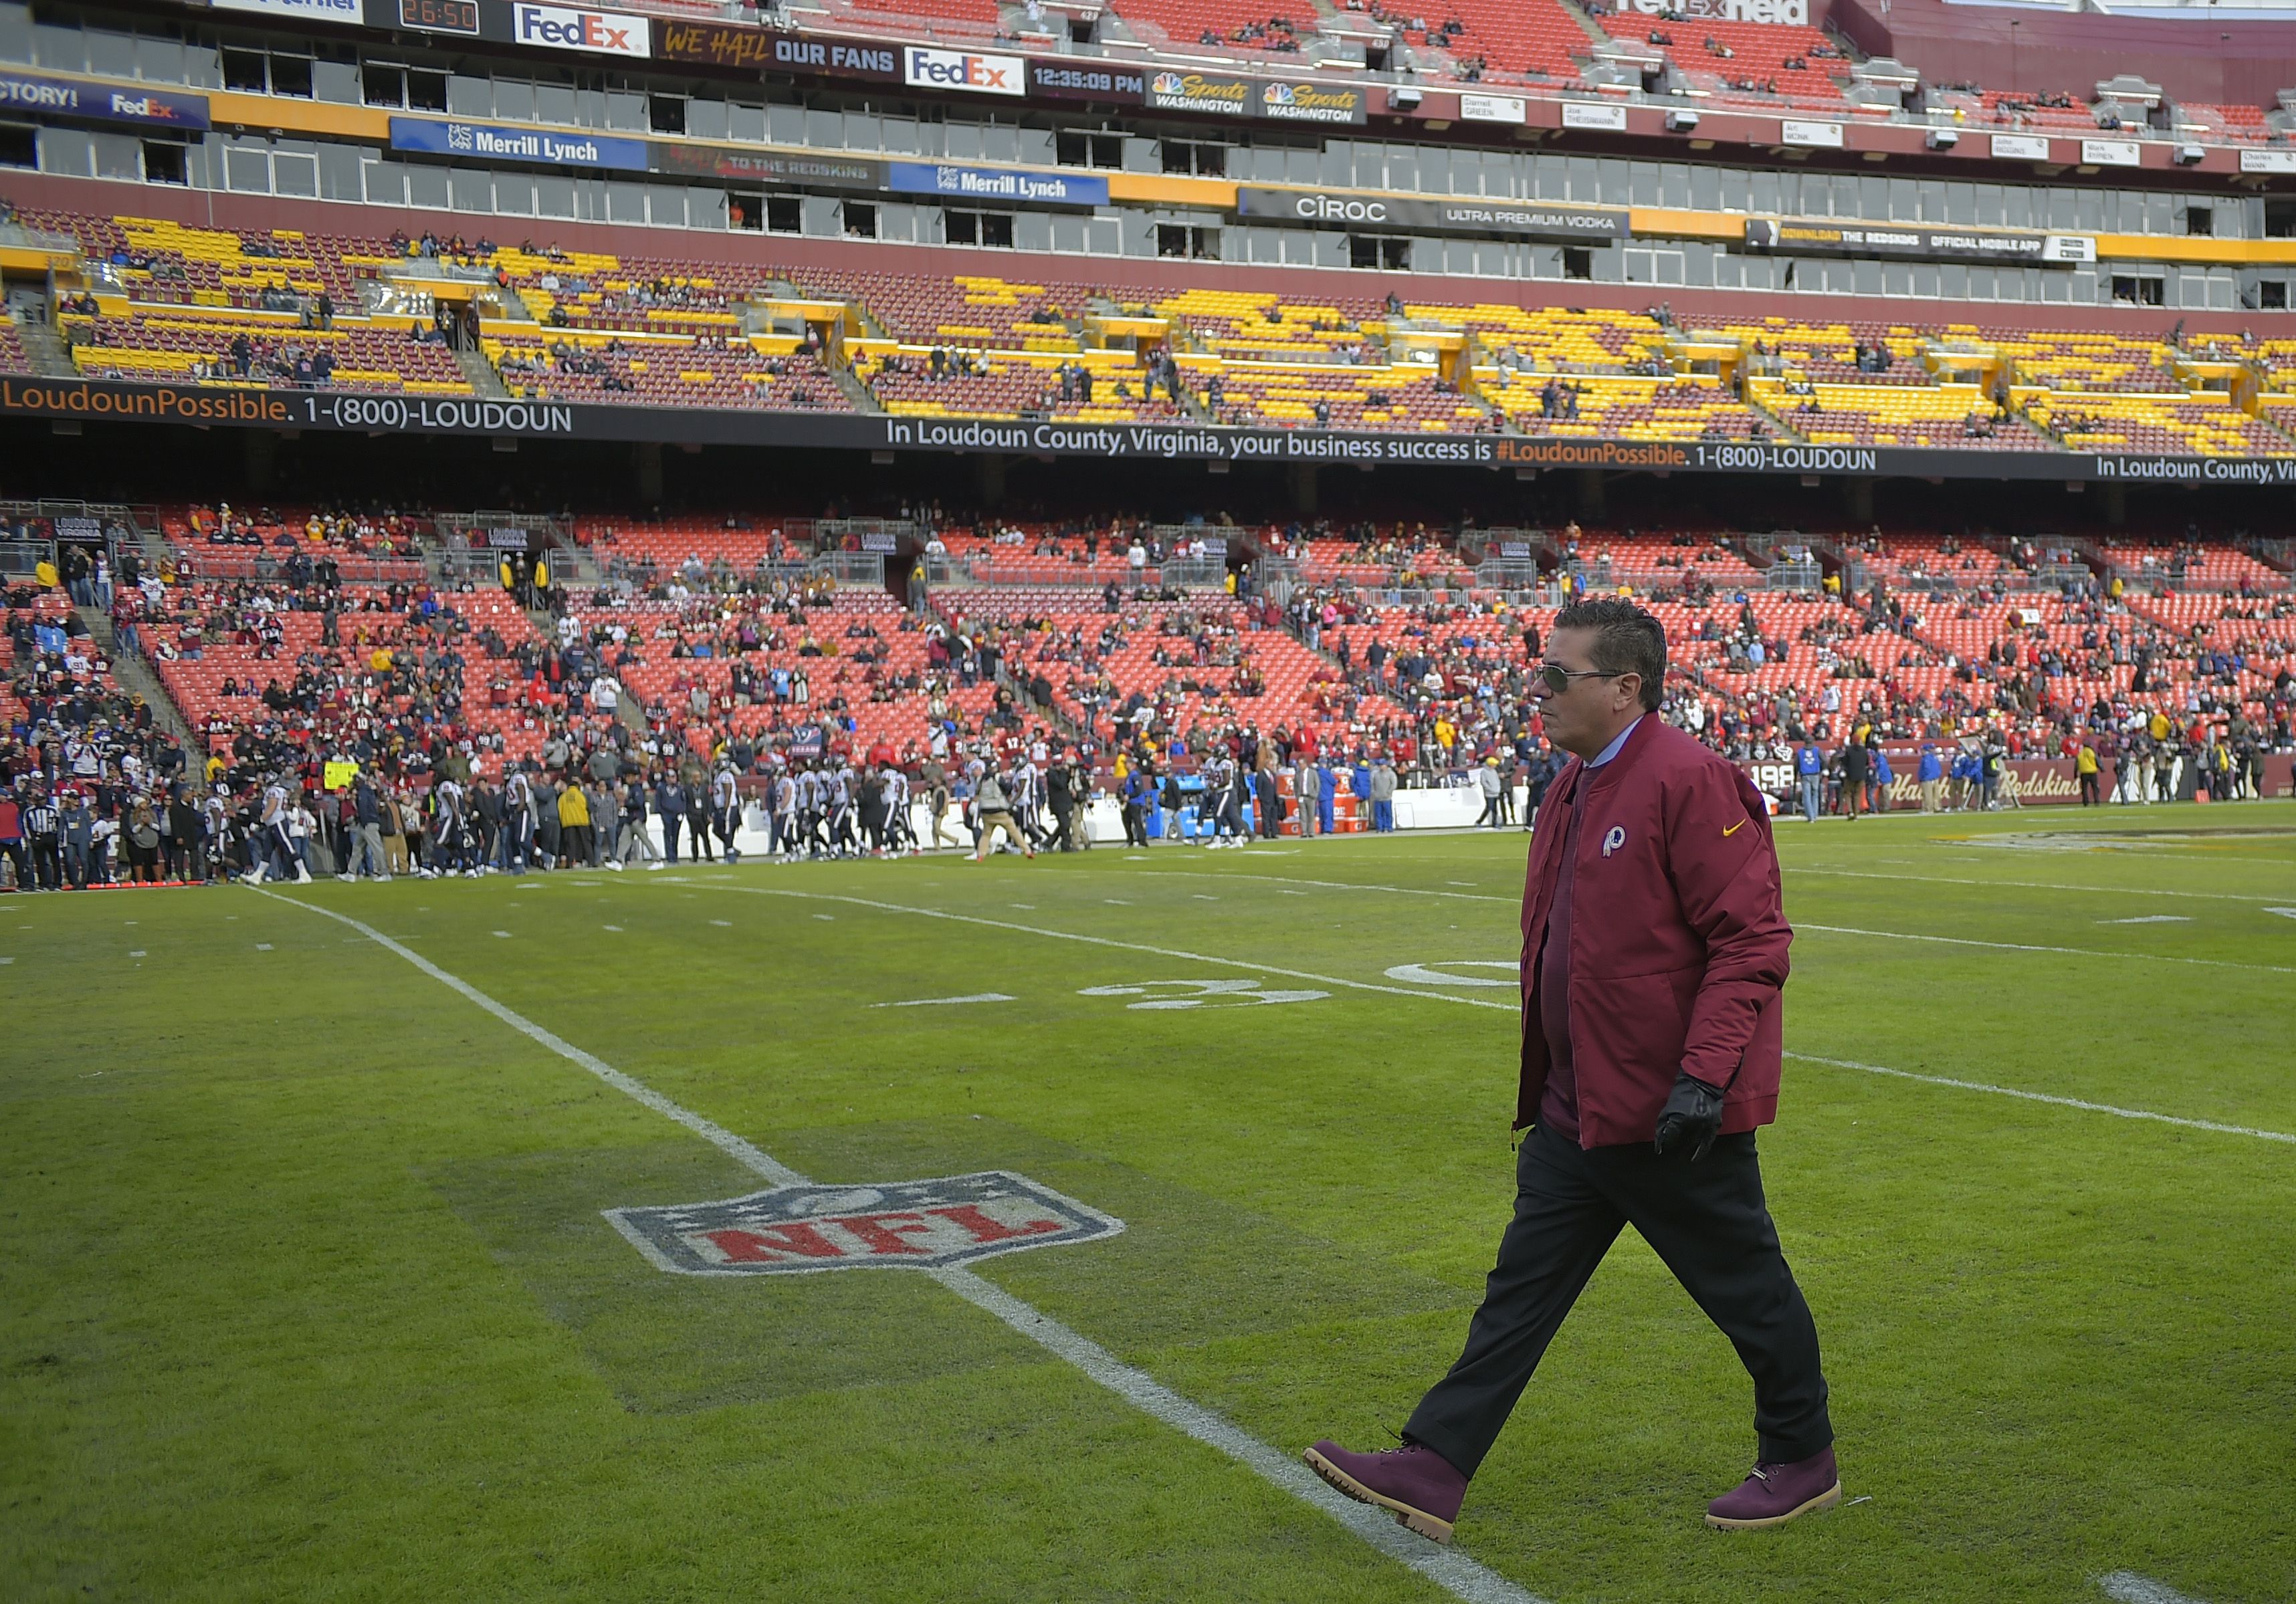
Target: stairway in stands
(481, 372)
(137, 678)
(51, 358)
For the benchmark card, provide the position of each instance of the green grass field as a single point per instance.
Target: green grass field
(307, 1292)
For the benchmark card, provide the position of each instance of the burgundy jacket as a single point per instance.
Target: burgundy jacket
(1677, 938)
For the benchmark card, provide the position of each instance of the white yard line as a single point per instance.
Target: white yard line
(1430, 994)
(2022, 946)
(1450, 1569)
(1290, 879)
(1254, 965)
(2043, 1097)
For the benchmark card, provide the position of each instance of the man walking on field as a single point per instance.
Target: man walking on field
(1654, 948)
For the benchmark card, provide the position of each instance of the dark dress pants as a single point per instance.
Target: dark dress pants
(1706, 1219)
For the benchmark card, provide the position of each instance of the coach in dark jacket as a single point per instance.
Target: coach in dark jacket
(1653, 951)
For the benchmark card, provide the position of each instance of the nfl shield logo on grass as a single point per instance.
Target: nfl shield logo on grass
(901, 1224)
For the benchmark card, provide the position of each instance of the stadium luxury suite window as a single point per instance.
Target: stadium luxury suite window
(1180, 240)
(1076, 148)
(266, 72)
(381, 84)
(1202, 158)
(1379, 250)
(978, 228)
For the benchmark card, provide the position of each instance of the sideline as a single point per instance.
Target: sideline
(1430, 994)
(1452, 1571)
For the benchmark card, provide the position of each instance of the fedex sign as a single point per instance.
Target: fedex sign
(566, 28)
(924, 69)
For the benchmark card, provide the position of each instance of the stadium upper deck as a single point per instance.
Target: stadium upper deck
(285, 309)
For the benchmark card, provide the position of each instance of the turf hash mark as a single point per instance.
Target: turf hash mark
(1462, 1577)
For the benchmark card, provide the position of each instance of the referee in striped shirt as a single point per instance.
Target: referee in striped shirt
(44, 826)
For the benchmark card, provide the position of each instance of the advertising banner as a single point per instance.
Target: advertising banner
(1208, 94)
(763, 50)
(302, 11)
(1012, 185)
(78, 99)
(495, 144)
(767, 166)
(1886, 243)
(107, 400)
(1288, 100)
(2039, 782)
(1787, 14)
(1513, 219)
(578, 28)
(970, 70)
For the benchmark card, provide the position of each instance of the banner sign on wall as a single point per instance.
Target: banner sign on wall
(2268, 161)
(302, 11)
(1786, 14)
(1287, 100)
(495, 144)
(2021, 147)
(1883, 243)
(1818, 135)
(966, 70)
(760, 49)
(765, 166)
(1594, 114)
(572, 28)
(1494, 109)
(78, 99)
(477, 417)
(1213, 96)
(1512, 219)
(2112, 153)
(995, 184)
(1088, 81)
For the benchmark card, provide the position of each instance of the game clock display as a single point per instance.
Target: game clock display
(440, 16)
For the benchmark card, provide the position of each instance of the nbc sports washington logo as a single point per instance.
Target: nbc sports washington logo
(902, 1225)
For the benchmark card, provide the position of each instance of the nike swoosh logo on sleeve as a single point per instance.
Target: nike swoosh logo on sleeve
(1733, 829)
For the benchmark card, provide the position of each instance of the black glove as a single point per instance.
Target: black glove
(1692, 1117)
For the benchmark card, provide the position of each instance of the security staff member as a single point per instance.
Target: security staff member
(1654, 948)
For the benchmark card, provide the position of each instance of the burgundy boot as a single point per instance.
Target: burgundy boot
(1774, 1494)
(1418, 1484)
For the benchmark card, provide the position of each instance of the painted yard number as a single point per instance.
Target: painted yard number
(1200, 993)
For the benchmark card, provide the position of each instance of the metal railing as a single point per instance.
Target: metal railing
(850, 568)
(1802, 574)
(19, 557)
(875, 532)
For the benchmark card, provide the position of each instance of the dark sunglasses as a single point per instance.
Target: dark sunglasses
(1557, 679)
